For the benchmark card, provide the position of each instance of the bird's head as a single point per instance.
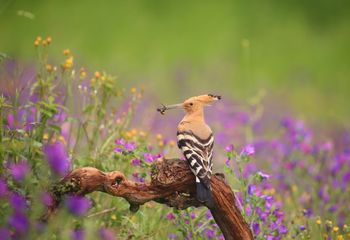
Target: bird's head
(192, 104)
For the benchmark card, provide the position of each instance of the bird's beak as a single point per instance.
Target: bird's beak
(163, 108)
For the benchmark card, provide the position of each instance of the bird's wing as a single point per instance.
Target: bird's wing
(198, 152)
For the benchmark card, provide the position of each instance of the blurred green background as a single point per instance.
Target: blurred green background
(297, 51)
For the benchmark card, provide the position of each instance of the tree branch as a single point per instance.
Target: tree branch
(172, 183)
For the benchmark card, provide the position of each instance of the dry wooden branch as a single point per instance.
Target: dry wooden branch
(172, 183)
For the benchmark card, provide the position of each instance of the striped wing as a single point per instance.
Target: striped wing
(198, 152)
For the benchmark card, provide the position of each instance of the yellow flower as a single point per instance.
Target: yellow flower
(128, 135)
(142, 134)
(329, 222)
(270, 191)
(37, 41)
(294, 188)
(159, 136)
(335, 229)
(161, 144)
(49, 67)
(44, 42)
(114, 217)
(68, 63)
(97, 74)
(48, 40)
(62, 139)
(172, 143)
(318, 221)
(66, 52)
(92, 81)
(133, 90)
(46, 136)
(134, 131)
(340, 237)
(82, 73)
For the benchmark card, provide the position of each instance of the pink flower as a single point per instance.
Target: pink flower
(248, 150)
(170, 216)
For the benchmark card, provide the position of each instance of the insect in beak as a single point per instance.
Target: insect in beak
(163, 108)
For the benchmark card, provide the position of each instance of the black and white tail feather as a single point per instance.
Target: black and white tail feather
(198, 153)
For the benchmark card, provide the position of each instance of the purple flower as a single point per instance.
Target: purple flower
(302, 227)
(208, 215)
(229, 148)
(31, 115)
(19, 222)
(346, 177)
(248, 210)
(120, 141)
(19, 170)
(323, 194)
(193, 215)
(209, 233)
(172, 236)
(78, 234)
(131, 146)
(251, 189)
(10, 121)
(263, 176)
(18, 202)
(4, 233)
(136, 162)
(137, 177)
(118, 150)
(307, 212)
(333, 208)
(170, 216)
(148, 157)
(248, 150)
(327, 146)
(282, 229)
(3, 188)
(256, 228)
(46, 199)
(278, 214)
(106, 234)
(78, 205)
(57, 157)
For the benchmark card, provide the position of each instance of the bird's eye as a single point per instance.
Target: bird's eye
(191, 104)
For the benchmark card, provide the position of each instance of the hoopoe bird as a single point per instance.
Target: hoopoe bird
(196, 141)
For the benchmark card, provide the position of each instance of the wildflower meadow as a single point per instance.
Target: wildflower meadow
(290, 182)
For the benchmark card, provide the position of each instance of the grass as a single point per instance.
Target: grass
(297, 50)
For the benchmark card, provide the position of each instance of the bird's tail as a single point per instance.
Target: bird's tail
(204, 194)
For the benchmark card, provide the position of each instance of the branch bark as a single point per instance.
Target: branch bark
(172, 183)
